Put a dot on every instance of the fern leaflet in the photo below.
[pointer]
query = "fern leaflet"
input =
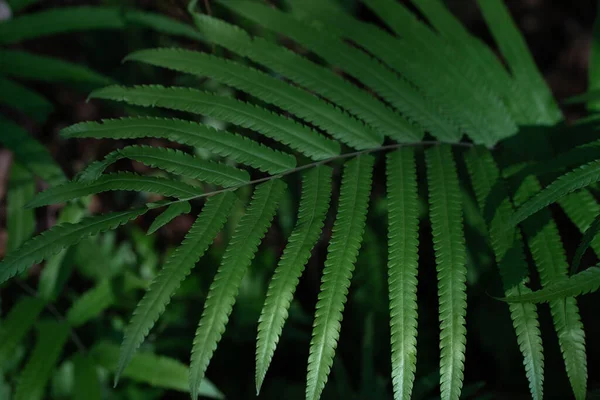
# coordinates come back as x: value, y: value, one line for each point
x: 20, y: 222
x: 91, y: 304
x: 586, y: 242
x: 17, y: 323
x: 172, y: 212
x: 16, y: 96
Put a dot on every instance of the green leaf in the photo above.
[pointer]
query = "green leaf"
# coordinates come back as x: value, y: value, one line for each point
x: 585, y: 243
x: 403, y: 242
x: 59, y: 237
x: 565, y: 184
x: 173, y: 161
x: 449, y: 244
x: 20, y: 222
x: 586, y: 281
x: 37, y: 372
x: 19, y: 97
x: 17, y: 323
x: 178, y: 266
x: 172, y: 212
x: 314, y: 203
x: 161, y: 23
x: 233, y: 146
x: 275, y: 126
x: 582, y: 208
x: 157, y: 371
x: 91, y: 304
x: 342, y: 252
x: 268, y: 89
x: 224, y: 288
x: 119, y: 181
x: 86, y: 385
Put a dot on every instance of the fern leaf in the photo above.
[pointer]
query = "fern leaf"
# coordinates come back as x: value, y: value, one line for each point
x: 173, y: 161
x: 118, y: 181
x: 448, y: 240
x: 316, y: 194
x: 161, y: 23
x: 30, y: 153
x: 403, y: 242
x: 223, y: 290
x: 313, y: 77
x: 20, y: 222
x: 586, y: 281
x: 510, y: 256
x: 28, y: 102
x: 589, y: 235
x: 86, y: 385
x: 178, y: 266
x: 261, y: 120
x: 20, y: 64
x: 172, y: 212
x: 91, y: 304
x: 17, y: 323
x: 582, y: 208
x: 157, y: 371
x: 33, y: 379
x: 59, y: 237
x: 233, y: 146
x: 268, y: 89
x: 395, y: 90
x: 567, y: 183
x: 342, y: 252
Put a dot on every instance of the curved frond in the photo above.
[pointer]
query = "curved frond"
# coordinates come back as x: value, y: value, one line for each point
x: 316, y: 194
x: 59, y: 237
x: 173, y: 161
x: 347, y: 235
x: 224, y: 288
x: 16, y: 324
x: 403, y: 242
x: 172, y: 212
x: 90, y: 304
x: 277, y: 127
x: 268, y: 89
x: 445, y: 211
x: 178, y: 266
x: 236, y: 147
x: 117, y: 181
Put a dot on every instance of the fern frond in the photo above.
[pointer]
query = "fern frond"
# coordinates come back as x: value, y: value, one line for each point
x: 586, y: 281
x: 161, y: 23
x: 445, y: 210
x: 342, y: 252
x: 20, y: 64
x: 588, y: 237
x: 90, y: 304
x: 403, y: 242
x: 20, y: 222
x: 237, y: 148
x: 565, y: 184
x: 178, y: 266
x: 86, y: 385
x: 582, y: 208
x: 309, y: 75
x: 510, y: 256
x: 268, y: 89
x: 395, y: 90
x: 173, y: 161
x: 59, y: 237
x: 314, y: 203
x: 16, y: 96
x: 280, y: 128
x: 224, y: 288
x: 35, y: 375
x: 172, y: 212
x: 16, y: 324
x: 157, y: 371
x: 118, y: 181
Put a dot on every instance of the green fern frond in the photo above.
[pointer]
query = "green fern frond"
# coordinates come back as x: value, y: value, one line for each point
x: 237, y: 148
x: 309, y: 75
x: 16, y: 324
x: 342, y: 252
x: 118, y: 181
x: 590, y: 234
x: 395, y: 90
x: 157, y: 371
x: 172, y: 212
x: 20, y: 222
x: 268, y: 89
x: 173, y: 161
x: 582, y: 208
x: 403, y: 239
x: 565, y: 184
x: 16, y: 96
x: 510, y: 256
x: 586, y: 281
x: 90, y: 304
x: 276, y: 126
x: 316, y: 194
x: 178, y: 266
x: 59, y: 237
x: 86, y: 385
x: 35, y: 375
x: 224, y: 288
x: 445, y: 210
